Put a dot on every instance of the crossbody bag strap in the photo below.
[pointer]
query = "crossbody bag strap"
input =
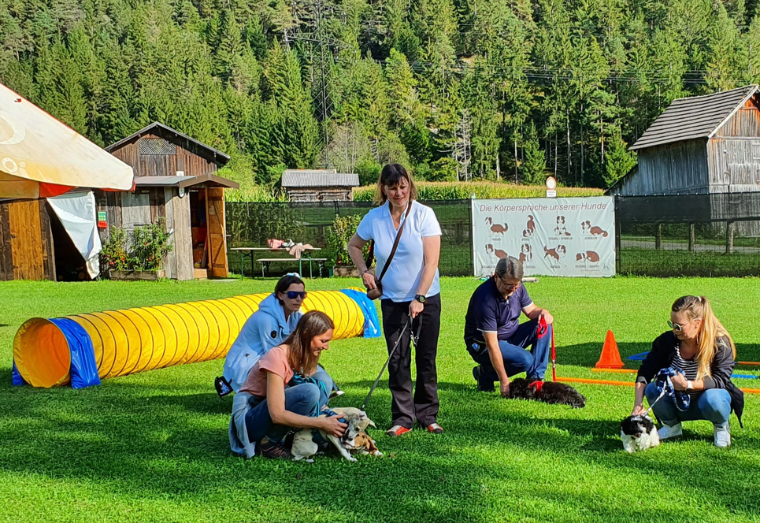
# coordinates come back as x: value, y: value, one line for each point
x: 395, y: 242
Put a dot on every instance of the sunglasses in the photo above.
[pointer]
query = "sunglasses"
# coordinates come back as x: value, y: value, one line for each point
x: 675, y: 326
x: 292, y: 295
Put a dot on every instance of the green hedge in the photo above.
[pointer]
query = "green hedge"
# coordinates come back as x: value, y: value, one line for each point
x: 464, y: 190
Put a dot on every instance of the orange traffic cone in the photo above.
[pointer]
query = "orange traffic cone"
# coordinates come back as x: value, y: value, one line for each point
x: 610, y: 358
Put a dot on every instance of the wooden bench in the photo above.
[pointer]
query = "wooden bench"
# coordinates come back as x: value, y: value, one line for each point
x: 265, y: 262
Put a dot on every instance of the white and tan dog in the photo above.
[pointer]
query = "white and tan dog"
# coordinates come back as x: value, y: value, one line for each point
x: 355, y: 437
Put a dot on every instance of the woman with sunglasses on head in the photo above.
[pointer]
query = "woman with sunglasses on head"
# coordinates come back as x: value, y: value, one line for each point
x: 284, y: 390
x: 268, y: 327
x: 700, y: 346
x: 407, y: 281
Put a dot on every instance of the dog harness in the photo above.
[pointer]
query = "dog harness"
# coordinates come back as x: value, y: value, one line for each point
x: 538, y: 384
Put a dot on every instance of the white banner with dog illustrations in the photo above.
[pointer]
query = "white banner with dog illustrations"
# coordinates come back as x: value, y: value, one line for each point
x: 551, y: 236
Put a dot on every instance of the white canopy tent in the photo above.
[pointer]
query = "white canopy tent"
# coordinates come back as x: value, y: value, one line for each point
x: 41, y: 157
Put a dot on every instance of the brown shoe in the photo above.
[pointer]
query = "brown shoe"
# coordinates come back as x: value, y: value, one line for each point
x: 273, y: 450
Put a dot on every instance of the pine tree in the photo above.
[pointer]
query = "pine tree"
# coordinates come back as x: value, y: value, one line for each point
x: 533, y: 170
x: 619, y: 160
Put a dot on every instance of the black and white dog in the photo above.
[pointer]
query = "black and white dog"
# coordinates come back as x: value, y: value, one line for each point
x: 638, y: 433
x: 548, y: 392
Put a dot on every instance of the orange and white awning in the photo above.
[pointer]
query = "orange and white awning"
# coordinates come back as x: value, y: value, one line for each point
x: 41, y: 157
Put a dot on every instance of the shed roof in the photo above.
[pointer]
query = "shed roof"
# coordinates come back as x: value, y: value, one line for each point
x: 694, y: 117
x: 297, y: 178
x: 167, y: 132
x: 208, y: 180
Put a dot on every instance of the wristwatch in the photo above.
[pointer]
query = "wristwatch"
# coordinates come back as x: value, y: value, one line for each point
x: 420, y: 298
x: 689, y: 385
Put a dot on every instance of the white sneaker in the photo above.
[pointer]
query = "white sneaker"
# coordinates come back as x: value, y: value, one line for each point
x: 722, y: 436
x: 667, y: 431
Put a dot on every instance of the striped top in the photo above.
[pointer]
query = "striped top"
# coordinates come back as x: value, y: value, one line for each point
x: 689, y: 367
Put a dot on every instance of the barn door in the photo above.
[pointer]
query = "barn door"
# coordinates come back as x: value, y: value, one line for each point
x: 217, y: 248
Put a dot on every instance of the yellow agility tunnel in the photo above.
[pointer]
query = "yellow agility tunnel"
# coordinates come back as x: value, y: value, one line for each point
x: 83, y: 349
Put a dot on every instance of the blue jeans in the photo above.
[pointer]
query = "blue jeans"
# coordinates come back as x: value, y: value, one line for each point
x: 516, y: 359
x: 301, y: 399
x: 711, y: 405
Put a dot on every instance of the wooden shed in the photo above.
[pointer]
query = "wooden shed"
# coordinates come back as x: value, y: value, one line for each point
x: 175, y: 179
x: 304, y: 185
x: 699, y: 145
x: 26, y: 241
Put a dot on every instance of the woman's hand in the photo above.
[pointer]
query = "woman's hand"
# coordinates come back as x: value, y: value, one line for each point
x: 369, y: 281
x: 415, y: 308
x: 333, y: 426
x: 679, y: 382
x: 638, y: 410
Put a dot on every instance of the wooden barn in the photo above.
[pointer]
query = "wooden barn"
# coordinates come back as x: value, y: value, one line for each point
x: 26, y: 241
x: 699, y: 145
x: 326, y: 185
x: 175, y: 179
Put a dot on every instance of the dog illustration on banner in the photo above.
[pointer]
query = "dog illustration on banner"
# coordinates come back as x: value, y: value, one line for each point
x: 496, y: 228
x: 530, y: 228
x: 495, y: 252
x: 589, y: 256
x: 561, y: 229
x: 588, y: 229
x: 526, y: 253
x: 557, y: 252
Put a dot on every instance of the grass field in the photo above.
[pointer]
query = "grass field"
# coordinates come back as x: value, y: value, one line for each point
x: 153, y: 446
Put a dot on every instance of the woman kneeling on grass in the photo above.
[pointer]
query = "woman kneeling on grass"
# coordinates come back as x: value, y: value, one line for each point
x: 700, y: 346
x: 285, y: 390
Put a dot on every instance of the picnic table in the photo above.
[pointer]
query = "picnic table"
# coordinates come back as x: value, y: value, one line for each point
x: 307, y: 254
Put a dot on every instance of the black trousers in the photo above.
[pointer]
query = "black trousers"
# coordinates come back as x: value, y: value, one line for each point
x: 424, y: 405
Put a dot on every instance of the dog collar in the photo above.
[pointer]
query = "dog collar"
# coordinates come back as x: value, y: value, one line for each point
x: 538, y: 384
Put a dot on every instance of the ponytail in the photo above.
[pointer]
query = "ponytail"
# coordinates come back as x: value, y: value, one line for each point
x: 711, y: 332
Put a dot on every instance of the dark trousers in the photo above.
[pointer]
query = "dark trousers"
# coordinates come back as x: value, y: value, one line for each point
x: 424, y: 406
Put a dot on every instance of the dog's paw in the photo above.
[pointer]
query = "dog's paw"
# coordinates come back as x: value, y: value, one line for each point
x: 351, y: 458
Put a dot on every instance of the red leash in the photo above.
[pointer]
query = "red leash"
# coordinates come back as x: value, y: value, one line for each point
x: 554, y: 359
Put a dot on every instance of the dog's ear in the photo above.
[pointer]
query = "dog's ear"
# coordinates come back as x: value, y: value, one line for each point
x: 363, y: 416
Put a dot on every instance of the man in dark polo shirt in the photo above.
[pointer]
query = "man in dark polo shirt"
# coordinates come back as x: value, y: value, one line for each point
x: 494, y: 336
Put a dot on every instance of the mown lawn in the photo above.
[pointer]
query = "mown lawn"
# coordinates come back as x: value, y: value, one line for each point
x: 153, y: 446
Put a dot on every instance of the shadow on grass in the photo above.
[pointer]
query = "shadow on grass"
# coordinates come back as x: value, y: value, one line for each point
x: 149, y: 442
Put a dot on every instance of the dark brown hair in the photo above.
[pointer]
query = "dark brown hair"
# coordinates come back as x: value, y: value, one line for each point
x: 391, y: 176
x: 311, y: 325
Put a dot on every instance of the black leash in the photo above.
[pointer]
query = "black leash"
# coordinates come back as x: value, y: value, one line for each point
x: 393, y: 350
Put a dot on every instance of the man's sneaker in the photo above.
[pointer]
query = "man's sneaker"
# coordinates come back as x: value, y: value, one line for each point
x: 397, y: 430
x: 274, y: 450
x: 476, y: 373
x: 722, y: 435
x: 435, y: 428
x: 667, y: 432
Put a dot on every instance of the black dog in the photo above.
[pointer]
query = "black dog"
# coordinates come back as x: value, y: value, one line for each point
x: 548, y: 392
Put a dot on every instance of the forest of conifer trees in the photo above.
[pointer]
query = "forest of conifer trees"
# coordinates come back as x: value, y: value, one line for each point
x: 456, y: 89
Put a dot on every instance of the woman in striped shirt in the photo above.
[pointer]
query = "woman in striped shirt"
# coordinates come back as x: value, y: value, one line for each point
x: 700, y: 346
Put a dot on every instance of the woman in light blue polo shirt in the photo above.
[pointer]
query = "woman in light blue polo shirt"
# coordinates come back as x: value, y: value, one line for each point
x: 410, y: 287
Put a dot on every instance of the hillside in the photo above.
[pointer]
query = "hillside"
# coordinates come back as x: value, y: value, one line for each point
x: 456, y: 89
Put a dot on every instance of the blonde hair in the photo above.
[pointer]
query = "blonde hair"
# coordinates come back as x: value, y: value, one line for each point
x: 698, y: 308
x: 300, y: 357
x: 391, y: 176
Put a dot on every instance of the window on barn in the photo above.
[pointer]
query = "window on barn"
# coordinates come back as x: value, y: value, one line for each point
x: 157, y: 147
